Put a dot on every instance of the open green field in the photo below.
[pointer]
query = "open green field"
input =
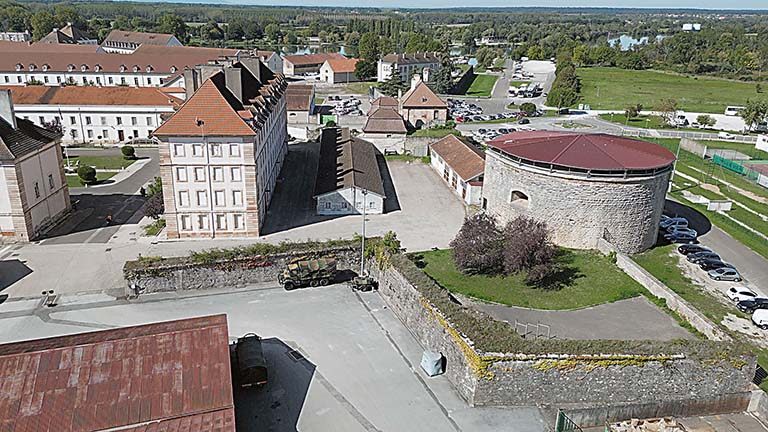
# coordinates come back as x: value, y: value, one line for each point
x: 482, y: 86
x: 619, y: 88
x: 592, y: 279
x: 101, y: 162
x: 650, y: 122
x: 360, y: 87
x: 73, y: 180
x: 435, y: 133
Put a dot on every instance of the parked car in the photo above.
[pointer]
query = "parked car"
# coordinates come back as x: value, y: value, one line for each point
x: 680, y: 237
x: 726, y: 136
x: 760, y: 318
x: 737, y: 294
x: 749, y: 306
x: 725, y: 273
x: 523, y: 121
x: 699, y: 256
x: 687, y: 249
x: 673, y: 221
x: 711, y: 264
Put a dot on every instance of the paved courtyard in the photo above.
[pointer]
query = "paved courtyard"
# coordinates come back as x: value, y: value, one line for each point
x: 360, y: 368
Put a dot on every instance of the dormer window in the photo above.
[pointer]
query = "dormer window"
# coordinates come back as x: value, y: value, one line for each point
x: 32, y: 67
x: 46, y: 67
x: 149, y: 68
x: 423, y: 99
x: 122, y: 68
x: 19, y: 67
x: 83, y: 68
x: 173, y: 69
x: 97, y: 68
x: 135, y: 68
x: 70, y: 67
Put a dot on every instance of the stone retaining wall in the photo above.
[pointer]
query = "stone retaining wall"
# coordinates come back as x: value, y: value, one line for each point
x: 175, y: 276
x: 658, y: 289
x: 641, y: 385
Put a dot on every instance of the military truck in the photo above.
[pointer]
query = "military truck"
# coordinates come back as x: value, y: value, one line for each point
x: 312, y: 272
x: 248, y: 357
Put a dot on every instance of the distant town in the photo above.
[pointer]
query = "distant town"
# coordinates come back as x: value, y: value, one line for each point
x: 250, y: 218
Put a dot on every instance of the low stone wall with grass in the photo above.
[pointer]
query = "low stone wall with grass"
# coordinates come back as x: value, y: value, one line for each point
x: 490, y: 364
x: 658, y: 289
x: 239, y: 267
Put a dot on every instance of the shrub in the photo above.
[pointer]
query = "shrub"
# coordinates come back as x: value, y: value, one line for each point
x: 155, y: 206
x: 527, y: 247
x: 478, y: 246
x: 155, y: 188
x: 528, y: 108
x: 128, y: 152
x: 87, y: 174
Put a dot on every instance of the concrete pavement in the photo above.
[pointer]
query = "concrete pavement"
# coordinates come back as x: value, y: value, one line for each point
x: 361, y: 371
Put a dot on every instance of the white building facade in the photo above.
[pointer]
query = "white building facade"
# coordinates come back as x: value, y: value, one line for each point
x: 33, y: 189
x: 406, y: 65
x: 461, y: 166
x: 219, y: 168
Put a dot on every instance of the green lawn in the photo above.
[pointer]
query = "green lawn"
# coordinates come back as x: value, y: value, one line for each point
x: 435, y: 133
x: 73, y: 180
x: 619, y: 88
x: 154, y: 228
x: 517, y: 84
x: 646, y: 121
x: 360, y: 87
x: 482, y: 86
x: 101, y: 162
x: 597, y: 280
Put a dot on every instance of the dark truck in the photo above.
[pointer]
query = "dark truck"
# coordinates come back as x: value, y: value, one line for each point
x: 249, y: 361
x: 312, y: 272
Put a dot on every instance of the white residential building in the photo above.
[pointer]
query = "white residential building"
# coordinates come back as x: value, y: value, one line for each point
x: 15, y: 36
x: 57, y: 64
x: 95, y: 115
x: 221, y: 152
x: 33, y: 188
x: 407, y: 65
x: 348, y: 176
x: 461, y: 165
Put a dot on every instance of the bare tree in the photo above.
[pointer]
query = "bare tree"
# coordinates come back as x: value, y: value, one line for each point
x: 527, y: 247
x: 667, y: 109
x: 478, y: 246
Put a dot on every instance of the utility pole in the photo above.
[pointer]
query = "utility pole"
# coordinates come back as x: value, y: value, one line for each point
x: 362, y: 250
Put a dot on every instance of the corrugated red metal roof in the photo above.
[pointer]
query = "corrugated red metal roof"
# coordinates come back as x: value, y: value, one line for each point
x: 761, y: 168
x: 585, y: 151
x: 155, y: 377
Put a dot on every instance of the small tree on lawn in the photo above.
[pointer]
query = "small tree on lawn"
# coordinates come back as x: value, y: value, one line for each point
x: 668, y: 110
x: 478, y: 246
x: 706, y: 120
x: 631, y: 112
x: 128, y: 152
x: 527, y: 247
x: 87, y: 174
x: 528, y: 107
x: 155, y: 206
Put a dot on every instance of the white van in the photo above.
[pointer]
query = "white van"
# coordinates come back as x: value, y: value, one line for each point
x: 733, y: 110
x: 760, y: 318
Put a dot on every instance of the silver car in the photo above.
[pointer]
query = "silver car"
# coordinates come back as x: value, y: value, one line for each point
x: 725, y: 273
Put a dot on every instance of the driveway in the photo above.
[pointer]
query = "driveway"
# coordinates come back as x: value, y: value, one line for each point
x: 87, y: 223
x: 631, y: 319
x: 357, y: 368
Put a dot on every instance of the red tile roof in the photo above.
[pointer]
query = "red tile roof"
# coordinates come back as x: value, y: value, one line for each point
x: 385, y: 120
x: 422, y: 96
x: 342, y: 65
x: 59, y: 57
x: 312, y: 59
x: 87, y: 95
x: 465, y: 159
x: 19, y: 47
x: 139, y: 38
x: 168, y: 376
x: 299, y: 97
x: 585, y: 151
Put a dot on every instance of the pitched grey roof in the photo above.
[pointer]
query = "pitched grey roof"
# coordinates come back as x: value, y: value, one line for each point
x: 412, y: 58
x: 26, y: 138
x: 346, y: 162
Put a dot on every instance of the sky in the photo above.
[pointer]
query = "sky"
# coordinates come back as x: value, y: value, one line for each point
x: 667, y: 4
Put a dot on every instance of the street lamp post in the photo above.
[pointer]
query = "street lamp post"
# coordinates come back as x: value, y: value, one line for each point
x: 362, y: 250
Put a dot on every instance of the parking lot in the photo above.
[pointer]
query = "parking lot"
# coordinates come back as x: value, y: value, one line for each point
x: 419, y: 206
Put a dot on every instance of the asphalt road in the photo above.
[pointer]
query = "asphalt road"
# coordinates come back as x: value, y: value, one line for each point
x: 87, y: 223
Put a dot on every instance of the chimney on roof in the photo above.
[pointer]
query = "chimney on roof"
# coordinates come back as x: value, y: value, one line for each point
x: 415, y: 80
x: 234, y: 80
x: 6, y: 107
x: 191, y: 81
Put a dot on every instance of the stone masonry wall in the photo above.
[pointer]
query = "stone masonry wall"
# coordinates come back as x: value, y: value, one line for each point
x: 235, y: 273
x: 618, y: 384
x: 420, y: 319
x: 578, y: 211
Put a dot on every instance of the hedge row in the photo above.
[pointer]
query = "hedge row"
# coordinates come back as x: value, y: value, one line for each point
x: 492, y: 336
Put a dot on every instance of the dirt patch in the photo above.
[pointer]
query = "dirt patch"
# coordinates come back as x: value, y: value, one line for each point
x: 745, y: 327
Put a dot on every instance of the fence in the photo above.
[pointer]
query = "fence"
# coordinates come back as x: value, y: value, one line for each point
x: 685, y: 134
x: 565, y: 424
